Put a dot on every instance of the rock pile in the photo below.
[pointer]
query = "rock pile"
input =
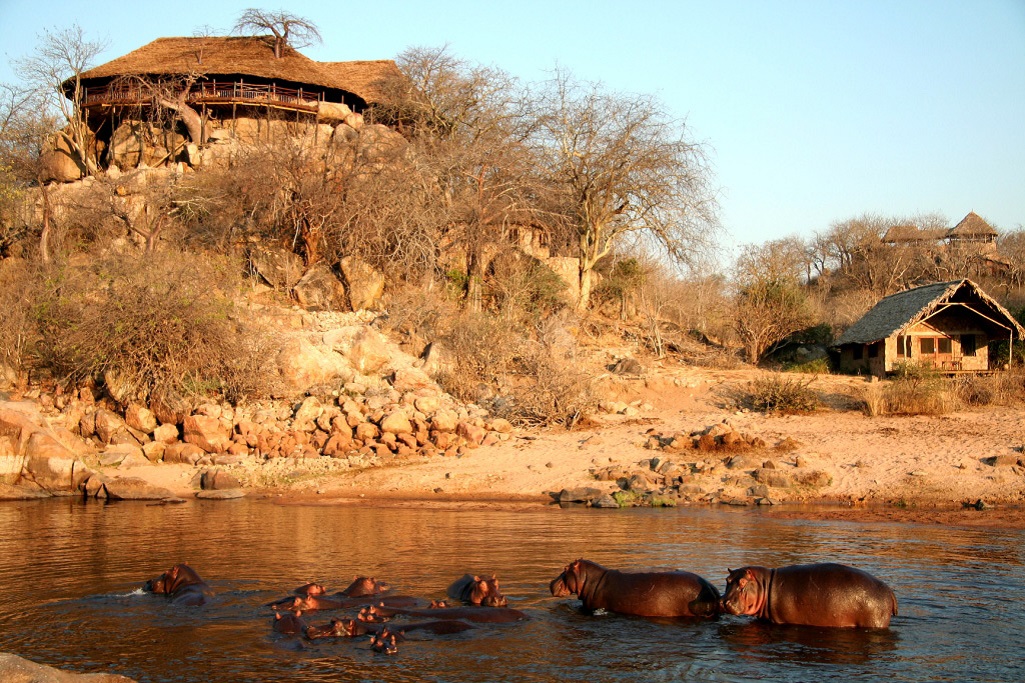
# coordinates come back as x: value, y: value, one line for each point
x: 743, y: 477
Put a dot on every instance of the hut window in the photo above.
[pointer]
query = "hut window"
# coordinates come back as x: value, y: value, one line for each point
x: 928, y: 345
x: 901, y: 342
x: 873, y: 350
x: 944, y: 345
x: 859, y: 351
x: 967, y: 344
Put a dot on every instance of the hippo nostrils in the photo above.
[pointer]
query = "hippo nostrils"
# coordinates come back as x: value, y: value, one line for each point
x: 478, y: 591
x: 182, y: 584
x: 645, y: 594
x: 832, y: 595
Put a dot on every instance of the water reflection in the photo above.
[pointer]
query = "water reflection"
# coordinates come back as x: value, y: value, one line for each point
x: 69, y: 575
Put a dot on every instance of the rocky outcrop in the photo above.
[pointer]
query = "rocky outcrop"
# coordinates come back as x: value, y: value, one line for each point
x: 15, y: 669
x: 31, y: 454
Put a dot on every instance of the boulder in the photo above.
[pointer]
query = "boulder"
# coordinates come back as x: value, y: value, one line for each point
x: 206, y: 432
x: 364, y: 284
x: 369, y: 351
x: 15, y: 669
x: 59, y: 163
x: 166, y: 433
x: 169, y: 406
x: 396, y: 422
x: 584, y: 494
x: 218, y: 480
x: 281, y: 269
x: 333, y: 112
x: 184, y: 453
x: 141, y: 418
x: 319, y: 289
x: 302, y: 365
x: 134, y: 488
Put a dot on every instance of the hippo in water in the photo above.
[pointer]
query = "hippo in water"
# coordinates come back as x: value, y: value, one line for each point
x: 484, y: 615
x: 363, y: 586
x: 350, y: 628
x: 478, y: 591
x: 644, y: 594
x: 181, y: 584
x: 289, y: 623
x: 832, y: 595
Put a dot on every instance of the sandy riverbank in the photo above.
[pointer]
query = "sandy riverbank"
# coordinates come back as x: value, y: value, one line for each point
x: 898, y: 468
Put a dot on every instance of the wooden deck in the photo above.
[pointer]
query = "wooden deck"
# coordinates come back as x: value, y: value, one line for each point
x: 213, y: 92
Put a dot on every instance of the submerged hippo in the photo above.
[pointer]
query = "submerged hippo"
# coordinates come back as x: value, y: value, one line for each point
x: 311, y: 589
x: 478, y: 591
x: 350, y: 628
x: 485, y: 615
x: 832, y: 595
x: 312, y: 603
x: 644, y: 594
x: 363, y: 586
x: 289, y: 623
x: 181, y: 584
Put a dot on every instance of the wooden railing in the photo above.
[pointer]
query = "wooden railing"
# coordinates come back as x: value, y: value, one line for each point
x: 211, y: 92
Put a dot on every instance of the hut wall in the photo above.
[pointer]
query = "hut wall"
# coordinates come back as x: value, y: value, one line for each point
x: 946, y: 345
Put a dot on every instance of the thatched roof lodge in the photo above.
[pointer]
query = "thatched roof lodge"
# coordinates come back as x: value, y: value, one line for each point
x: 946, y: 325
x: 972, y: 228
x: 235, y: 70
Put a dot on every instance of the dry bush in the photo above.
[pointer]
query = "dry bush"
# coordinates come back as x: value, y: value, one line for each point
x: 777, y: 393
x: 1003, y: 388
x: 482, y: 349
x: 19, y: 286
x: 530, y: 379
x: 915, y: 390
x: 162, y: 321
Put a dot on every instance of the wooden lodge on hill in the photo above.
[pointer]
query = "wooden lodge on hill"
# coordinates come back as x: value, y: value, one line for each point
x: 221, y: 79
x: 946, y: 325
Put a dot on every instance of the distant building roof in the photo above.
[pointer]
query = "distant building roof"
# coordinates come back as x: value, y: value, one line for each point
x: 972, y: 225
x: 897, y: 312
x: 247, y: 56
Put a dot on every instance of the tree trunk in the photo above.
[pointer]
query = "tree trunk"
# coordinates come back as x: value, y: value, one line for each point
x: 44, y: 236
x: 189, y: 116
x: 586, y: 284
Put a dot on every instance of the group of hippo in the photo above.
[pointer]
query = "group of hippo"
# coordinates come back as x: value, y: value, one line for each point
x: 824, y: 595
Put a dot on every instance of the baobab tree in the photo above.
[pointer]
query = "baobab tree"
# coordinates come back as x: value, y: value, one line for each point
x: 287, y: 29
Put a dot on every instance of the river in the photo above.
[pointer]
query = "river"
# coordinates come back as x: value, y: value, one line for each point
x: 70, y: 574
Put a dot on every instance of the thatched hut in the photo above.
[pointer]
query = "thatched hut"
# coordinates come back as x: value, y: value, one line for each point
x: 946, y: 325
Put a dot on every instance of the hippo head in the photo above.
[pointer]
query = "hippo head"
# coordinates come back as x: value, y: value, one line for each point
x: 362, y: 586
x: 311, y: 589
x: 568, y: 582
x: 371, y: 614
x: 487, y: 593
x: 744, y: 593
x: 385, y: 642
x: 156, y: 584
x: 438, y: 604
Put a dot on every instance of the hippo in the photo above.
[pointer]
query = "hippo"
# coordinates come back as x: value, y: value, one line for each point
x: 350, y: 628
x: 643, y: 594
x: 482, y: 614
x: 828, y: 594
x: 289, y: 623
x: 181, y: 584
x: 311, y: 589
x: 384, y: 642
x: 363, y: 586
x: 477, y: 591
x: 311, y: 603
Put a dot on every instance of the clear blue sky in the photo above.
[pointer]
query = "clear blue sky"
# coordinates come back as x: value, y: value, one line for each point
x: 817, y: 111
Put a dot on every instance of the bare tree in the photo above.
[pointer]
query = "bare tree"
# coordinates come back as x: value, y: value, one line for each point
x: 769, y: 304
x: 620, y: 164
x: 287, y: 29
x: 54, y: 71
x: 467, y: 129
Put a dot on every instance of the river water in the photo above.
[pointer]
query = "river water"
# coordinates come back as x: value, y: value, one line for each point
x: 70, y: 574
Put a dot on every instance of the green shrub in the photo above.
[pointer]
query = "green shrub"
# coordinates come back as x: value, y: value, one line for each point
x: 777, y: 393
x: 819, y: 366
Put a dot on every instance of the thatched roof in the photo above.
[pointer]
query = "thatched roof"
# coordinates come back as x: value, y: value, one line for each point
x: 912, y: 233
x: 972, y: 225
x: 246, y: 56
x: 898, y: 312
